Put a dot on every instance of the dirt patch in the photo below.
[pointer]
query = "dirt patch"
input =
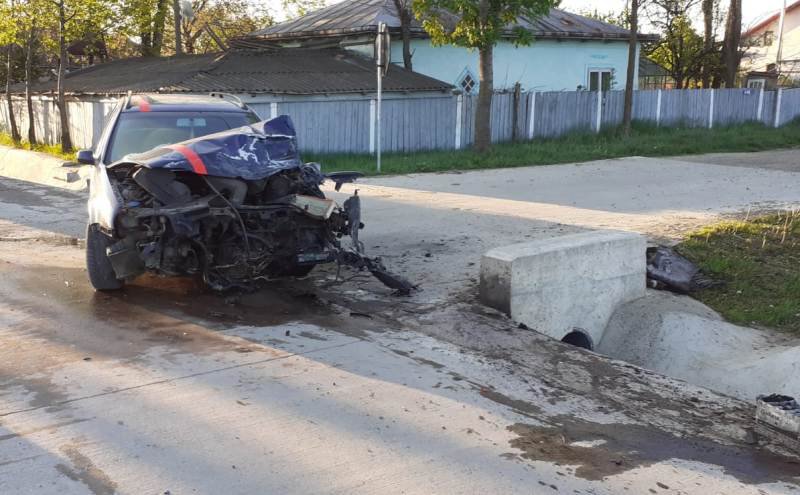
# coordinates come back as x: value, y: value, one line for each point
x: 601, y: 450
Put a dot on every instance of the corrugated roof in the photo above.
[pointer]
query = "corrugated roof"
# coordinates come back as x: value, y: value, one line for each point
x: 292, y: 71
x: 357, y: 16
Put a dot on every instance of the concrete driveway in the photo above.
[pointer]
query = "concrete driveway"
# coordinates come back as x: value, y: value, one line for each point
x: 313, y: 387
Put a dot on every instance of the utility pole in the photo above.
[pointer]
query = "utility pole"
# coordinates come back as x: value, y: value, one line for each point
x: 176, y: 13
x: 779, y: 56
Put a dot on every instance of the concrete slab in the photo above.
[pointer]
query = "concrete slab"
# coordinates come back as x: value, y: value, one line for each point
x: 681, y: 337
x: 561, y: 284
x: 41, y: 168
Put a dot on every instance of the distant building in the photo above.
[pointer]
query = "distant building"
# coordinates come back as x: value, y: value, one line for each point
x: 569, y: 51
x: 760, y: 61
x: 653, y: 75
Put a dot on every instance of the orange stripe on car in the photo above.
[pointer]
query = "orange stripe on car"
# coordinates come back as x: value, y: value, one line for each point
x: 143, y: 104
x: 194, y: 159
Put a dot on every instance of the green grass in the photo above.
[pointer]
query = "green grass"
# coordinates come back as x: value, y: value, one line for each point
x: 759, y: 261
x: 50, y: 149
x: 645, y: 140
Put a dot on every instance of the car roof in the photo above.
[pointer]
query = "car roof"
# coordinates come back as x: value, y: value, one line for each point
x: 185, y: 103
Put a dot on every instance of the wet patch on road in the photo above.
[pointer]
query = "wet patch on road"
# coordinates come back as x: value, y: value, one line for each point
x: 601, y: 450
x: 84, y: 471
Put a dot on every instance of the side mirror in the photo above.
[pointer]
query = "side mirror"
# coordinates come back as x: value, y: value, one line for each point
x: 85, y: 157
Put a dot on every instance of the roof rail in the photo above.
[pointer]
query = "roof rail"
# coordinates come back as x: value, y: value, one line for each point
x: 229, y: 97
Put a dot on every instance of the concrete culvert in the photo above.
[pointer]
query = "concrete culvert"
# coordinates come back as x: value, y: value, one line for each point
x: 578, y: 338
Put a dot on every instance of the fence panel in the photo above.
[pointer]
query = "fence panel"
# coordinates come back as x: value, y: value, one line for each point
x: 337, y: 126
x: 687, y: 108
x: 418, y: 124
x: 426, y: 123
x: 736, y: 106
x: 613, y: 108
x: 646, y: 106
x: 790, y: 106
x: 558, y: 113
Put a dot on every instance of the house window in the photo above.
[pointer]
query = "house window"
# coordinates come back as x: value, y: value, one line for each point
x: 600, y: 78
x: 467, y: 82
x: 769, y: 38
x: 755, y: 83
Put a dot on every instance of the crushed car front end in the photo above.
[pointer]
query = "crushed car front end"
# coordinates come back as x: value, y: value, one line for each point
x: 233, y: 207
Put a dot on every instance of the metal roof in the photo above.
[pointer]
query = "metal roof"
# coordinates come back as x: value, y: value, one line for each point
x: 289, y: 71
x: 359, y: 16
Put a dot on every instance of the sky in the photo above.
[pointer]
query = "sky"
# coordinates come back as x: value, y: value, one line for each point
x: 752, y: 10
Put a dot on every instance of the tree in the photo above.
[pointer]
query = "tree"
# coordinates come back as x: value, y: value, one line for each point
x: 8, y: 37
x: 479, y: 25
x: 708, y: 39
x: 146, y: 20
x: 405, y: 15
x: 227, y: 18
x: 70, y: 20
x: 633, y: 21
x: 680, y: 50
x: 731, y: 56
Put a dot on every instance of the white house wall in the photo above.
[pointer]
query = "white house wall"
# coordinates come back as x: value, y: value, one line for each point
x: 545, y: 65
x: 757, y: 58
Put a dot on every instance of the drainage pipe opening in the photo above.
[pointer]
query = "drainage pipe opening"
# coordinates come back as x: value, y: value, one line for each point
x: 578, y: 338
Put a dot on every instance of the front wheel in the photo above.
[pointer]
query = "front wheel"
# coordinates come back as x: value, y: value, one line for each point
x: 101, y: 273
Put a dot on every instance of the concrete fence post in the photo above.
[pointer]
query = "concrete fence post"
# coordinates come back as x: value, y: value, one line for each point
x: 778, y: 99
x: 760, y: 110
x: 372, y: 126
x: 711, y: 109
x: 459, y: 120
x: 532, y: 115
x: 599, y: 117
x: 658, y: 108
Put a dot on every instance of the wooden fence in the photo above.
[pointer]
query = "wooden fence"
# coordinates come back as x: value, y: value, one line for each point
x: 415, y: 123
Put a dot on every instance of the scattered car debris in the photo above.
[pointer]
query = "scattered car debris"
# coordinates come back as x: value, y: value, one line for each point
x: 668, y: 270
x: 235, y: 207
x: 778, y: 419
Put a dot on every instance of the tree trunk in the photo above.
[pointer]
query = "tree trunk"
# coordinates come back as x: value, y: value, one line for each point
x: 405, y: 30
x: 708, y: 41
x: 159, y: 21
x: 627, y: 115
x: 12, y: 120
x: 176, y: 12
x: 730, y: 46
x: 28, y: 80
x: 66, y: 140
x: 483, y: 111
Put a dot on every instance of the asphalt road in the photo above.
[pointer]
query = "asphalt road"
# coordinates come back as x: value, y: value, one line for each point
x: 313, y: 387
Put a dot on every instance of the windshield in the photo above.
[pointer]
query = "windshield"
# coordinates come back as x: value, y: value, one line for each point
x: 136, y: 132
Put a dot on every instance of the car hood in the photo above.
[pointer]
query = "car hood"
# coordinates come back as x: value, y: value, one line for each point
x: 252, y: 152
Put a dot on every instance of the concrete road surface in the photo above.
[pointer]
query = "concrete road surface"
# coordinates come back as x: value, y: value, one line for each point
x: 316, y: 387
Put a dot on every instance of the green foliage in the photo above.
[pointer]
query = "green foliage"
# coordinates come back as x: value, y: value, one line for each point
x: 55, y: 150
x: 680, y: 51
x: 477, y: 23
x: 758, y: 259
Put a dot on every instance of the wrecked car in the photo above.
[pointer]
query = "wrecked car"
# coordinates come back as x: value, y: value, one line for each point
x: 233, y: 207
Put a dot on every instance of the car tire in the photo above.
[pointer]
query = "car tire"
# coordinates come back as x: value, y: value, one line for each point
x: 101, y: 273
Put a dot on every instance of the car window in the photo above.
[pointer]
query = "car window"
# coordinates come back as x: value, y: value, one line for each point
x: 137, y: 132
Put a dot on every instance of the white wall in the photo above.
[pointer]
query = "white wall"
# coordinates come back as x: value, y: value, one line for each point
x: 546, y: 65
x: 757, y: 58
